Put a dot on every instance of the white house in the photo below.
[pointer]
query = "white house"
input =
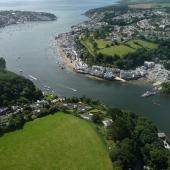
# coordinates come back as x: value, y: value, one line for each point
x: 149, y: 64
x: 87, y: 116
x: 107, y: 123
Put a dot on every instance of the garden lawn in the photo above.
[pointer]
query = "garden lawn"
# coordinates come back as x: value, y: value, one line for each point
x: 57, y: 141
x: 120, y: 50
x: 146, y: 44
x: 102, y: 43
x: 88, y: 46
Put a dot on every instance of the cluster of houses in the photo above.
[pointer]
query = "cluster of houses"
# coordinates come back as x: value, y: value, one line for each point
x: 134, y: 23
x: 163, y: 137
x: 133, y: 15
x: 150, y: 28
x: 91, y: 24
x: 83, y: 110
x: 67, y: 44
x: 15, y: 17
x: 150, y: 23
x: 36, y: 108
x: 80, y: 109
x: 151, y: 71
x: 6, y: 112
x: 158, y: 74
x: 122, y: 33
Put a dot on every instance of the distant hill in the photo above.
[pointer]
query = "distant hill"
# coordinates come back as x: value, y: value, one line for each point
x: 15, y: 17
x: 16, y: 89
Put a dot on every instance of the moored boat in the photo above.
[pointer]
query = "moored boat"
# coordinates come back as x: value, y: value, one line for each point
x: 148, y: 93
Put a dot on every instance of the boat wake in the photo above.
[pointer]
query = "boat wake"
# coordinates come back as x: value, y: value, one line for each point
x: 72, y: 89
x: 48, y: 88
x: 32, y: 77
x: 69, y: 88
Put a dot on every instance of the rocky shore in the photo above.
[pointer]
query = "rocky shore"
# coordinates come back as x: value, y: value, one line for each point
x: 16, y: 17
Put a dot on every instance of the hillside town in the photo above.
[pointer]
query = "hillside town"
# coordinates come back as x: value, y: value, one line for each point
x: 152, y: 71
x: 18, y: 17
x: 149, y: 23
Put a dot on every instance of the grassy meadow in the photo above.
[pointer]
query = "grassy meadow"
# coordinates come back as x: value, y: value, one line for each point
x: 57, y: 141
x: 121, y: 49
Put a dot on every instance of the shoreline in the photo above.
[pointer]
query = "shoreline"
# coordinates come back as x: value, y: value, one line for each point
x: 95, y: 77
x: 141, y: 75
x: 66, y: 60
x: 70, y: 65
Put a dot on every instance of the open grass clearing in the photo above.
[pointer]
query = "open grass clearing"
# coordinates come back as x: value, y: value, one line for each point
x: 122, y: 49
x: 57, y: 141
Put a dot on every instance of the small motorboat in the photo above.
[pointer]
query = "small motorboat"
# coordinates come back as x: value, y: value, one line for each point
x: 148, y: 93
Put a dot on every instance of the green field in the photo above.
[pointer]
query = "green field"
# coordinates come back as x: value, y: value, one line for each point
x: 121, y: 49
x: 88, y: 46
x: 144, y: 44
x: 54, y: 142
x: 102, y: 43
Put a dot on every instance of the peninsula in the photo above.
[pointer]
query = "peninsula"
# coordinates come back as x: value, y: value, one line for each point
x: 17, y: 17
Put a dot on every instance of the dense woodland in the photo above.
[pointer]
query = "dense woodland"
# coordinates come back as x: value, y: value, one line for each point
x: 16, y: 89
x: 137, y: 143
x: 2, y: 63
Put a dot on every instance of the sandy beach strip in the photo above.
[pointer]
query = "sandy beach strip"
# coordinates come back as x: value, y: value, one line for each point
x: 67, y: 61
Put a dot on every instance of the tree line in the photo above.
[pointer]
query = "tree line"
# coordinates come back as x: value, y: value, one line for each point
x: 2, y: 63
x: 16, y: 89
x: 137, y: 143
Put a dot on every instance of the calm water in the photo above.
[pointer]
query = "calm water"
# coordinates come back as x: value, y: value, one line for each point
x: 34, y: 44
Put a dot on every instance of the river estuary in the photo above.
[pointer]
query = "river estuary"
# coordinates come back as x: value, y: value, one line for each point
x: 30, y: 47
